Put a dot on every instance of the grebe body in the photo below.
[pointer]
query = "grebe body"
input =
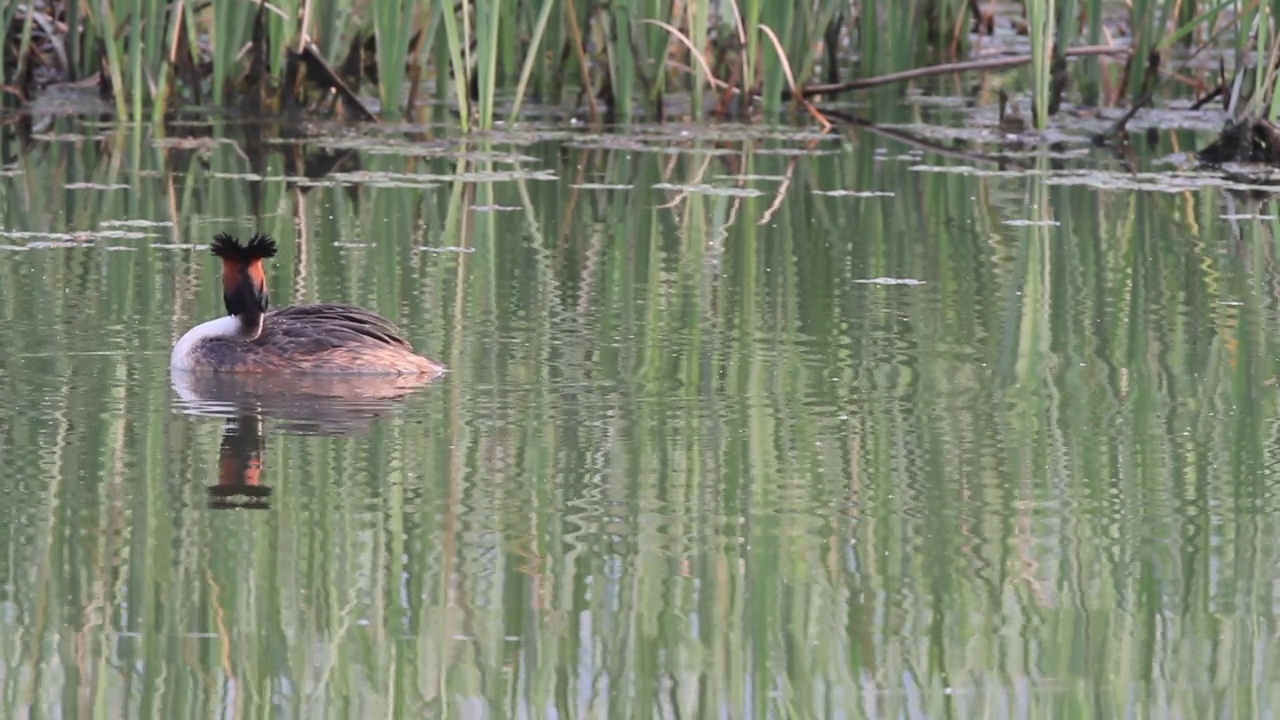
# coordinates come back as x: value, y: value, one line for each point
x: 320, y: 338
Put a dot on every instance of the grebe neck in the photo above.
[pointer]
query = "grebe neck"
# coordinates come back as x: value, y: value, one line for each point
x: 227, y: 326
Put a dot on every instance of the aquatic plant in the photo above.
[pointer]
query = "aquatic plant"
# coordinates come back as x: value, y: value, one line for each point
x: 609, y: 62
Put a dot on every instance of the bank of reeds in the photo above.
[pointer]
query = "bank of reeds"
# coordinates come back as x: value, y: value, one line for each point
x: 721, y: 59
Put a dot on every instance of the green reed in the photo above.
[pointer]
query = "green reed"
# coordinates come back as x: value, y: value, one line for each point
x: 490, y: 61
x: 393, y: 28
x: 8, y: 16
x: 457, y: 36
x: 1041, y: 17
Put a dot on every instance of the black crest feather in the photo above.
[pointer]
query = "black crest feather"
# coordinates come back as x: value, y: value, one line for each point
x: 259, y: 246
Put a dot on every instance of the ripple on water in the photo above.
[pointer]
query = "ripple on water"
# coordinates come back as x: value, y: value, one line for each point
x: 877, y: 448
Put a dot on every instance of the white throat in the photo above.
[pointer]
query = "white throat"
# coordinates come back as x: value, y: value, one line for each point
x: 184, y: 352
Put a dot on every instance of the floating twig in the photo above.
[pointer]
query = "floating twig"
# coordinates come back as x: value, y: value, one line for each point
x: 1000, y: 63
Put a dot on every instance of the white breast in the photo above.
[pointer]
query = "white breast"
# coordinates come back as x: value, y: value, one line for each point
x: 184, y: 352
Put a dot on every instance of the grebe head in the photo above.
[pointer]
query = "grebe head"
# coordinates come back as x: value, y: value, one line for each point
x: 244, y: 284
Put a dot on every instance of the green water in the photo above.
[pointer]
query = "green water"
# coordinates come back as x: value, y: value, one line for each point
x: 685, y: 465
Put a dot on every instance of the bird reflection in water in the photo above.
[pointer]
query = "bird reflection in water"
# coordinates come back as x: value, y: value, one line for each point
x: 332, y: 405
x: 240, y: 467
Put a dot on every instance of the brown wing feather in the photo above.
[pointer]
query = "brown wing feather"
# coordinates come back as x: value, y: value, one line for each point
x: 322, y: 338
x: 326, y: 326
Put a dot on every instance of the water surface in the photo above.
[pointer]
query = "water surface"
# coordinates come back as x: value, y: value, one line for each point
x: 754, y: 424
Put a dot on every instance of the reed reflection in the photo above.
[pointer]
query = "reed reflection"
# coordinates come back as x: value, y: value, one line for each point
x: 330, y: 405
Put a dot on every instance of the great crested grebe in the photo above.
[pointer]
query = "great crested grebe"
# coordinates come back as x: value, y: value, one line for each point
x: 321, y: 338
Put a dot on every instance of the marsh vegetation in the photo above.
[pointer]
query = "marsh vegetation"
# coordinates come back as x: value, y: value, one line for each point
x: 489, y: 62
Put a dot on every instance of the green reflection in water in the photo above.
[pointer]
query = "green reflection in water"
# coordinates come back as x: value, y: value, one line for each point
x: 686, y: 463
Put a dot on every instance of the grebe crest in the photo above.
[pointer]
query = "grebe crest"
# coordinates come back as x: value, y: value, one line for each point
x: 325, y: 338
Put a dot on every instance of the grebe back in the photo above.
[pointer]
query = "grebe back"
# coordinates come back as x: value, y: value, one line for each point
x: 320, y: 338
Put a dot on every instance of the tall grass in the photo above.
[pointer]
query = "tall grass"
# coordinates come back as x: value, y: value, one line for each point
x: 618, y: 61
